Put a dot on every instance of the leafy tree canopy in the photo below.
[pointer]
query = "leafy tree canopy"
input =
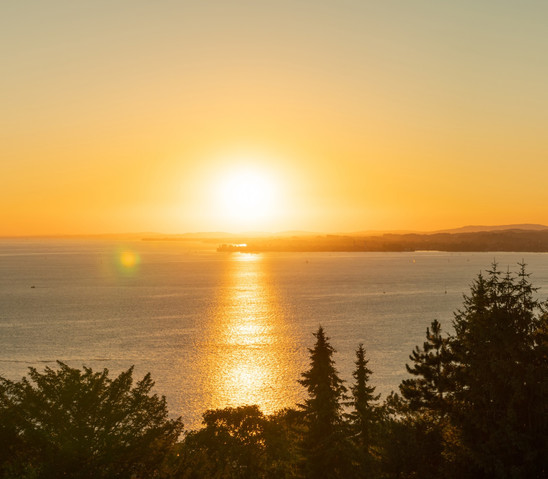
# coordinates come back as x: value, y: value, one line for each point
x: 68, y: 422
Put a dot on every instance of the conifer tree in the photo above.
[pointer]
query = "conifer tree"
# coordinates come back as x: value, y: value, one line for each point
x: 364, y: 415
x: 325, y: 447
x: 423, y: 405
x: 431, y: 368
x: 499, y: 399
x: 481, y: 394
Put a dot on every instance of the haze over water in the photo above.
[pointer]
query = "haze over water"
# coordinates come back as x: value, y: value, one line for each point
x: 219, y: 329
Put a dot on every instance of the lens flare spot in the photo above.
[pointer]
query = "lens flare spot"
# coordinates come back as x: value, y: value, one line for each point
x: 128, y: 259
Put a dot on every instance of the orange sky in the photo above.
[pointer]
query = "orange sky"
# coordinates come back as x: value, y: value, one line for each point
x: 126, y: 116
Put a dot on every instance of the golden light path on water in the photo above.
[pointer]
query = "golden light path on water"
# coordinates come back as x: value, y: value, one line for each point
x: 251, y: 352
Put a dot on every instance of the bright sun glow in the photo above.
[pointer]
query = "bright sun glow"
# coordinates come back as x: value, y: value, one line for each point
x: 247, y: 197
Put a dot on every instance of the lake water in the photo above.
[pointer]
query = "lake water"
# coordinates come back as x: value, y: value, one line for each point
x: 223, y: 329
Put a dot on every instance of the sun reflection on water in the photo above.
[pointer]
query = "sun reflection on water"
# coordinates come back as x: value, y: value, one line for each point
x: 250, y: 348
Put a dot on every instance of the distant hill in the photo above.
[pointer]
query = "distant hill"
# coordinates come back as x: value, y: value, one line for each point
x: 479, y: 229
x: 462, y: 229
x: 513, y: 239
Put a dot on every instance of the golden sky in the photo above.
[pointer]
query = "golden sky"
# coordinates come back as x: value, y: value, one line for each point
x: 126, y: 116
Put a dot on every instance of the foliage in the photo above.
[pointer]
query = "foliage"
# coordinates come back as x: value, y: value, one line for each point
x: 482, y: 391
x: 423, y: 406
x: 363, y: 418
x: 431, y: 368
x: 238, y: 442
x: 326, y: 449
x: 500, y: 385
x: 80, y: 423
x: 410, y: 444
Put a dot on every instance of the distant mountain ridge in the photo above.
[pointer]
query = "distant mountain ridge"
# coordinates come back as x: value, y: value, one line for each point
x: 481, y: 229
x: 462, y: 229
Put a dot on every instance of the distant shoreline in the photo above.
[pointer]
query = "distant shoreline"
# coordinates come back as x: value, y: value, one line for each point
x: 512, y: 241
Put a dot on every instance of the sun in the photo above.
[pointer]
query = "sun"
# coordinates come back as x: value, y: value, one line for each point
x: 247, y: 196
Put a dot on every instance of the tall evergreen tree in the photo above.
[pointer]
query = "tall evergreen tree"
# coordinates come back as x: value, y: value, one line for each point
x: 481, y: 395
x: 499, y: 400
x: 363, y: 417
x: 325, y: 447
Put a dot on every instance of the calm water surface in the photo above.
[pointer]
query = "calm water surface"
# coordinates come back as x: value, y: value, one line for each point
x: 218, y: 329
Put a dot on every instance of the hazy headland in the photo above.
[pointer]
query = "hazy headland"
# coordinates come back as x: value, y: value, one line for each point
x: 514, y: 238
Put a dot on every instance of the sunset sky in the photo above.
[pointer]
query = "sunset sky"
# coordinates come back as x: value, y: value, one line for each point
x: 128, y: 116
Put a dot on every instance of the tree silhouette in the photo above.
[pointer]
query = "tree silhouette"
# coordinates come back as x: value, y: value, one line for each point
x: 325, y: 447
x: 431, y: 368
x: 237, y: 442
x: 500, y: 381
x: 364, y: 416
x: 423, y: 405
x: 479, y: 396
x: 75, y: 423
